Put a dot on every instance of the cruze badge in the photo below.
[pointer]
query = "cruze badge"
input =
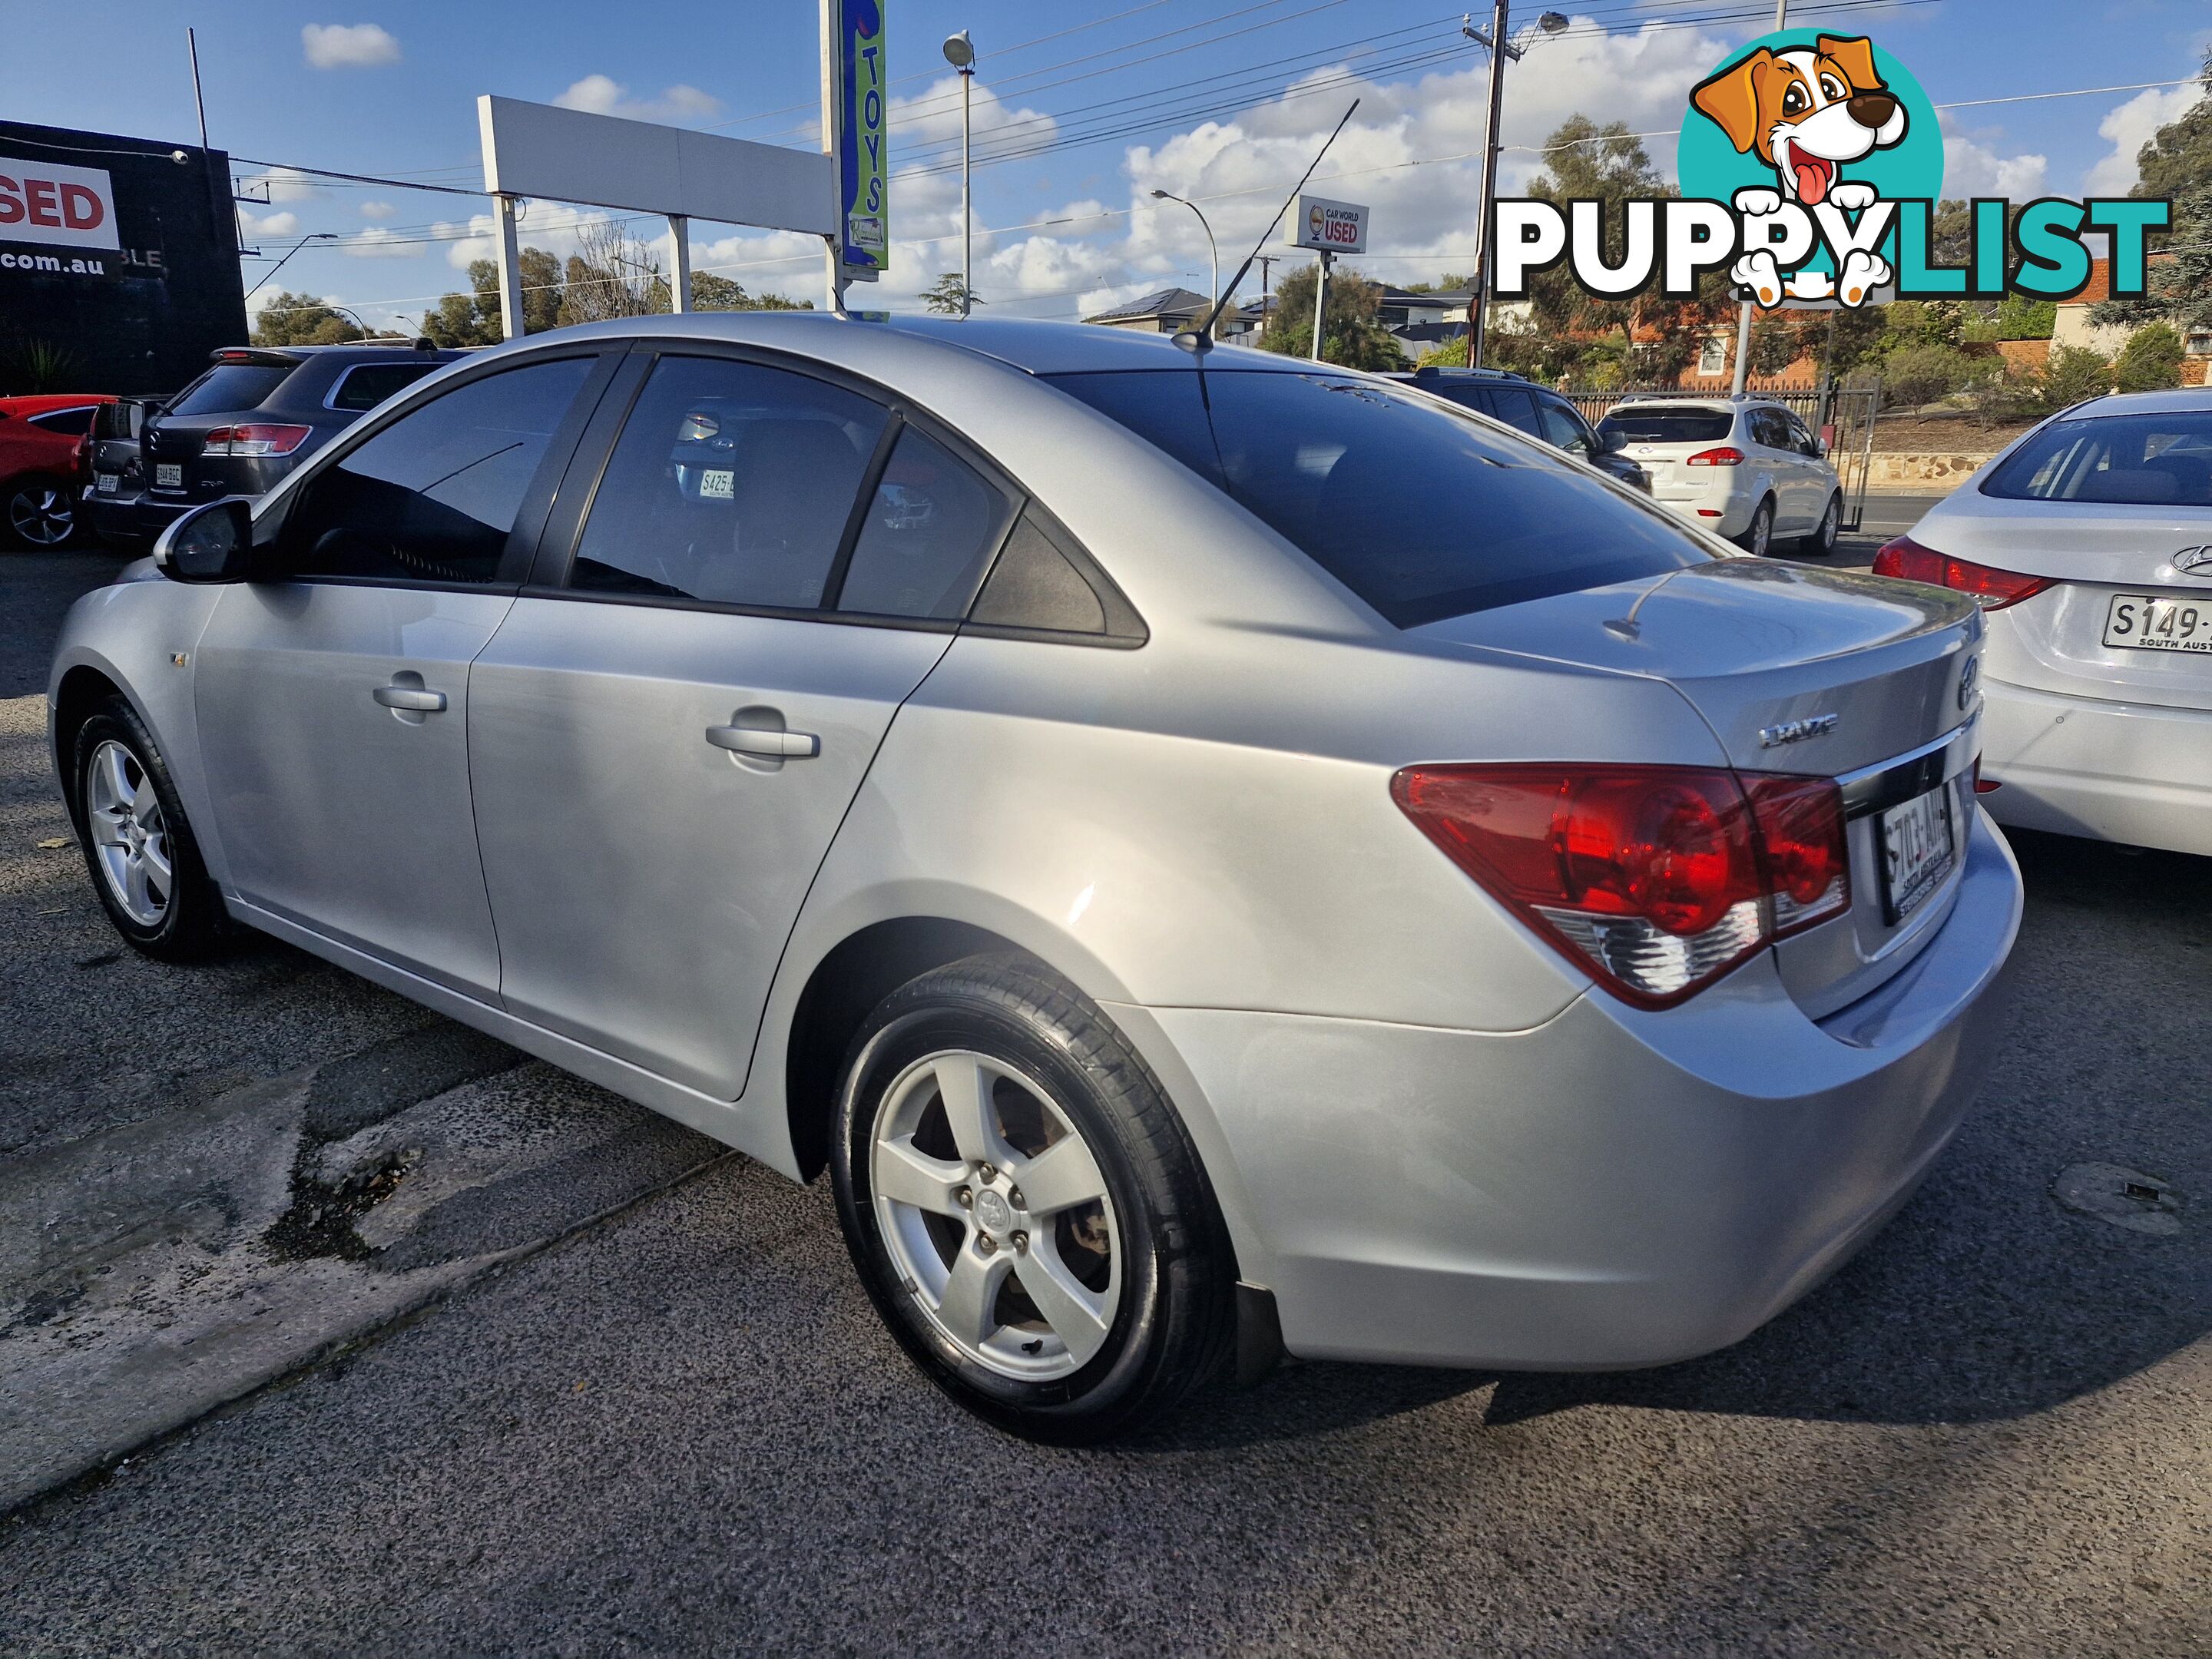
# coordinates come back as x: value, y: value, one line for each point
x: 1813, y: 726
x: 2194, y: 561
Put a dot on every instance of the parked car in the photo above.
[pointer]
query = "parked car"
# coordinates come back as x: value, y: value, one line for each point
x: 2087, y: 542
x: 1537, y: 410
x: 256, y: 413
x: 1192, y: 896
x: 1749, y: 470
x: 41, y: 463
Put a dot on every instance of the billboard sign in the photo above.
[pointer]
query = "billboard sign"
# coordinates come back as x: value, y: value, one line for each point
x: 1330, y: 227
x: 864, y: 232
x: 61, y: 206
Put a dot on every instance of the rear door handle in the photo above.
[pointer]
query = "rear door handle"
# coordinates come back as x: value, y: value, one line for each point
x: 411, y: 697
x: 769, y: 745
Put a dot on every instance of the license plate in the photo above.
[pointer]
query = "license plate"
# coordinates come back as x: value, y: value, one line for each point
x: 168, y: 475
x: 1915, y: 848
x: 2139, y: 622
x: 106, y: 482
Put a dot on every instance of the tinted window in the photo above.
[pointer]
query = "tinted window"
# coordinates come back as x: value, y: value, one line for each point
x: 1562, y: 427
x: 2150, y: 460
x: 731, y: 483
x: 930, y: 530
x: 367, y: 385
x: 1638, y: 423
x: 1515, y: 408
x: 1802, y: 435
x: 432, y: 496
x: 1418, y: 509
x: 71, y: 423
x: 1768, y: 430
x: 229, y: 388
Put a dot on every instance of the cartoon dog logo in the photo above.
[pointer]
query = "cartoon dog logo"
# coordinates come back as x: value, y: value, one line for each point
x: 1805, y: 114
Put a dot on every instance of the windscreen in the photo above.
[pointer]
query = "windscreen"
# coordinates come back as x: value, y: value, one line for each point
x: 229, y: 387
x: 2141, y: 460
x: 1420, y: 510
x: 1660, y: 425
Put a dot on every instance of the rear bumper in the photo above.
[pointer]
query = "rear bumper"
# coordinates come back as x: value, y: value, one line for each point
x: 1613, y: 1189
x: 127, y: 520
x: 1735, y: 510
x: 2130, y: 771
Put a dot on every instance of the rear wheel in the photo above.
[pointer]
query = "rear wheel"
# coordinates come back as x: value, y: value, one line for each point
x: 145, y: 865
x: 1757, y: 538
x: 40, y: 512
x: 1024, y: 1207
x: 1822, y: 541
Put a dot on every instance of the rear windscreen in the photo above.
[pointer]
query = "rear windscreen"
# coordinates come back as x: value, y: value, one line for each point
x: 229, y: 387
x: 367, y: 384
x: 1669, y: 426
x: 1421, y: 511
x: 2137, y: 460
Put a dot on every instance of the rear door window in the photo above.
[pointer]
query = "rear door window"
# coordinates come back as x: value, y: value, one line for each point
x: 733, y: 482
x: 1420, y: 511
x: 927, y: 537
x: 1515, y: 408
x: 229, y: 387
x: 1657, y: 424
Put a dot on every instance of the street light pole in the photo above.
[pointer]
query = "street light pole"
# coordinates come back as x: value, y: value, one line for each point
x: 960, y: 52
x: 1213, y: 251
x: 1743, y: 312
x: 1501, y: 48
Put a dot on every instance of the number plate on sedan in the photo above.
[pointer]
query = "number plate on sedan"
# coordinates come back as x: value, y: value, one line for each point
x: 1916, y: 848
x: 169, y: 475
x: 2138, y: 622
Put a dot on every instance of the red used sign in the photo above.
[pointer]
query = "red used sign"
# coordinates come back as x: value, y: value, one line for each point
x: 47, y: 202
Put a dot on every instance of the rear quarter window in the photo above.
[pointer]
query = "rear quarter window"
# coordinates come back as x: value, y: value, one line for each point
x: 367, y: 385
x: 1419, y: 510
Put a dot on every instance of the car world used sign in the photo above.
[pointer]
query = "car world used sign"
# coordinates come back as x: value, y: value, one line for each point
x: 1331, y: 227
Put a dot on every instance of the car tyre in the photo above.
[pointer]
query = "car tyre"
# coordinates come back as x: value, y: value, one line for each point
x: 1080, y: 1309
x: 139, y: 848
x: 41, y: 513
x: 1758, y: 537
x: 1822, y: 541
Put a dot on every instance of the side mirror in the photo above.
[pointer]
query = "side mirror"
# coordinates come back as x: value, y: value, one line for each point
x: 1612, y: 442
x: 211, y: 544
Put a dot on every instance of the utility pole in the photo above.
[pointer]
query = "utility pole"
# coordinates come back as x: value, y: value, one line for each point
x: 1321, y: 300
x: 1743, y: 313
x: 1501, y: 48
x: 192, y: 51
x: 833, y: 146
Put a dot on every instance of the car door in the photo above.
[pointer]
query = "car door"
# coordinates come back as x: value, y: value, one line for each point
x: 1777, y: 456
x: 1820, y: 476
x: 670, y: 725
x: 333, y: 697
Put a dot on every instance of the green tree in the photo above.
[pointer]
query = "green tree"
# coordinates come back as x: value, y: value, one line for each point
x: 712, y: 293
x: 2020, y: 318
x: 2177, y: 164
x: 948, y: 296
x: 303, y: 320
x: 473, y: 318
x: 1352, y: 335
x: 2151, y: 360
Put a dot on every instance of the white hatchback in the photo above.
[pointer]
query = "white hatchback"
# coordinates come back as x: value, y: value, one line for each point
x: 1745, y: 469
x: 2089, y: 543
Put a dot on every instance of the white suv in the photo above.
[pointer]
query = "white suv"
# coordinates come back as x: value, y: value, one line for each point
x: 1749, y: 470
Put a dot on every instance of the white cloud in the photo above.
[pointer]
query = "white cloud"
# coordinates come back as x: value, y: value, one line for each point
x: 1973, y: 166
x: 602, y: 94
x: 378, y: 243
x: 279, y: 185
x: 274, y: 224
x: 2131, y: 125
x: 377, y: 210
x: 347, y: 46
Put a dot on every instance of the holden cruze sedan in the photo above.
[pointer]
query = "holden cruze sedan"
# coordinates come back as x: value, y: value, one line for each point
x: 1214, y: 854
x: 2088, y: 544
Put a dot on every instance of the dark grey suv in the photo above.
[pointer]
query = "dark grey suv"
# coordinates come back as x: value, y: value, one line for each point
x: 1534, y: 409
x: 256, y: 413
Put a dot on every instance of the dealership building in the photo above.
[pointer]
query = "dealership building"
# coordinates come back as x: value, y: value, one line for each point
x: 118, y: 261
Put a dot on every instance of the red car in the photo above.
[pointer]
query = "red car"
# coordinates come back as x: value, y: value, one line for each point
x: 42, y: 463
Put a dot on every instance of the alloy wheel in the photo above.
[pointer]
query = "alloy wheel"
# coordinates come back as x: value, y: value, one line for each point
x: 996, y: 1216
x: 41, y: 515
x: 130, y: 837
x: 1762, y: 532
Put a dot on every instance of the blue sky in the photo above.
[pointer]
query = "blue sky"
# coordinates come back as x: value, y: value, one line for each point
x: 1221, y: 99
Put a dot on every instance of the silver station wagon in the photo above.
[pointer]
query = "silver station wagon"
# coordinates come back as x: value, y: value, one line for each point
x: 1214, y: 855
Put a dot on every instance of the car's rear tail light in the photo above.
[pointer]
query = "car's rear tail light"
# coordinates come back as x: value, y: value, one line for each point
x: 1656, y: 879
x: 255, y: 440
x: 1989, y: 588
x: 1726, y: 455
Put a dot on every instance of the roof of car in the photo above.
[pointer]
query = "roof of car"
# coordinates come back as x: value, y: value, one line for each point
x: 2185, y: 399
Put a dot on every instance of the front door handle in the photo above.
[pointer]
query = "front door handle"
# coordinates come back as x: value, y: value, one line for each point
x: 767, y: 745
x: 411, y: 697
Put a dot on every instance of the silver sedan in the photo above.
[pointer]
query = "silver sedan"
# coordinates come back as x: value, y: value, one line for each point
x: 1215, y: 855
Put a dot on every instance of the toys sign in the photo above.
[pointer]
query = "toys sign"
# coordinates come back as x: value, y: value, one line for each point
x: 1330, y: 227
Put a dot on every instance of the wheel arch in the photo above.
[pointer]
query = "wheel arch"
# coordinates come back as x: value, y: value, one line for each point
x: 83, y: 689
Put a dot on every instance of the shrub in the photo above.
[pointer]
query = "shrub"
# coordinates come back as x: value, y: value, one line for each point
x: 2075, y: 373
x: 2151, y: 360
x: 1916, y: 374
x: 2020, y: 318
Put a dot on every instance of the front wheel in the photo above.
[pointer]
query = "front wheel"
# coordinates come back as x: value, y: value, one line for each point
x: 145, y: 865
x: 1024, y: 1207
x: 1822, y: 541
x: 1759, y: 535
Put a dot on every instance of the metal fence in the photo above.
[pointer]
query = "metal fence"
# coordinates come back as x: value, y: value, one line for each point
x: 1843, y: 418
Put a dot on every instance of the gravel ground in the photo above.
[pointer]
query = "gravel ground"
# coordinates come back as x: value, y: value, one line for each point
x: 682, y: 1430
